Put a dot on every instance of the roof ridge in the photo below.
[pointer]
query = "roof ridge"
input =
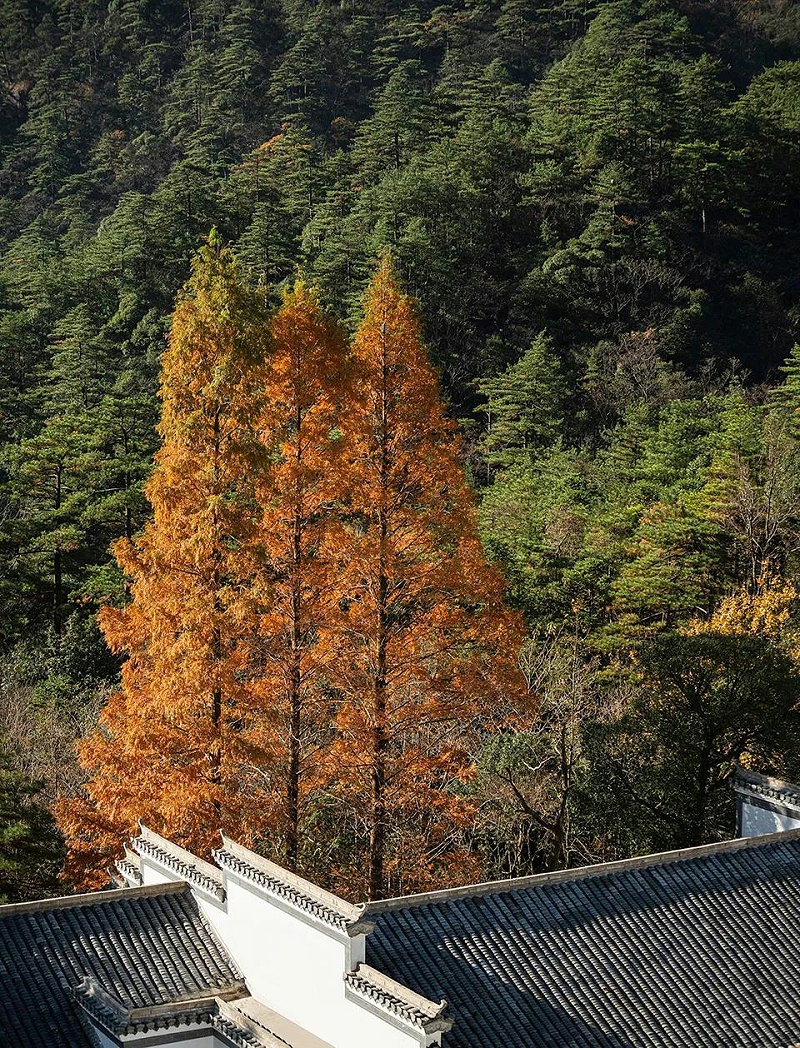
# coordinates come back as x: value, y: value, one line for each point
x: 62, y: 902
x: 397, y: 998
x: 190, y: 867
x: 323, y: 903
x: 537, y: 880
x: 107, y: 1009
x: 411, y: 997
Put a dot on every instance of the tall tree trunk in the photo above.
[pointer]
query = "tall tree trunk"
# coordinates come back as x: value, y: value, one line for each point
x: 380, y: 731
x: 215, y: 753
x: 295, y: 681
x: 58, y: 584
x: 697, y: 830
x: 380, y: 747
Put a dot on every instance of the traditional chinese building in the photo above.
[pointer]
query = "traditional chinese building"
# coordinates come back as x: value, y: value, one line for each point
x: 692, y: 948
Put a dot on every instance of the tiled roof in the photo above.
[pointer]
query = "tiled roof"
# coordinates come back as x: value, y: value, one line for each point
x: 696, y: 948
x: 145, y: 947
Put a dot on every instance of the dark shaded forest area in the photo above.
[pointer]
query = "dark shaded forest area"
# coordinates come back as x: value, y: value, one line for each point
x: 598, y: 208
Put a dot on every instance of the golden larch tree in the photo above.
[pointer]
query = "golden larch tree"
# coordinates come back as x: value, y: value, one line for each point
x: 426, y: 652
x: 297, y: 493
x: 172, y: 742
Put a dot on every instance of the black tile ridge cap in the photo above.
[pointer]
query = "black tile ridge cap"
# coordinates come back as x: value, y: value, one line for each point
x: 348, y: 913
x: 63, y: 902
x: 130, y: 867
x: 237, y: 1035
x: 603, y: 869
x: 121, y: 1025
x: 182, y: 1004
x: 234, y: 1012
x: 746, y: 777
x: 398, y: 998
x: 189, y: 865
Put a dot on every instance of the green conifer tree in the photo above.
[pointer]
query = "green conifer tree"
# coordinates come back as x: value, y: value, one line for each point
x: 525, y: 406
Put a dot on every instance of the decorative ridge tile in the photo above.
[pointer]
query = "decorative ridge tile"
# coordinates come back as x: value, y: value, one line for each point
x: 304, y: 895
x: 748, y: 781
x: 217, y: 1012
x: 415, y: 1009
x: 240, y: 1037
x: 130, y: 870
x: 373, y: 909
x: 107, y: 1011
x: 236, y: 1014
x: 189, y: 867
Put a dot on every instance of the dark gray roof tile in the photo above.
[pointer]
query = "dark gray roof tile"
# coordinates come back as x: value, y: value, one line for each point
x: 143, y: 946
x: 693, y: 950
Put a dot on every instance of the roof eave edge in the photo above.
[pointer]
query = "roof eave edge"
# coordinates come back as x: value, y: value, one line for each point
x: 378, y: 906
x: 351, y: 914
x: 203, y: 876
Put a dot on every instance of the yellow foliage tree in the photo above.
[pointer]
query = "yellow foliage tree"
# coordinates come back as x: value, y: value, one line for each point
x: 426, y: 650
x: 766, y: 612
x: 172, y: 742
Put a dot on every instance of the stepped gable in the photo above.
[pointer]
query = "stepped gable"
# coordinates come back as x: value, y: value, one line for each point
x: 750, y: 782
x: 681, y: 950
x: 120, y: 951
x: 372, y: 985
x: 290, y: 887
x: 184, y: 864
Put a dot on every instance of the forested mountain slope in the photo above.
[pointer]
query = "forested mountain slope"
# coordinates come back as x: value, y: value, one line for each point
x: 598, y: 206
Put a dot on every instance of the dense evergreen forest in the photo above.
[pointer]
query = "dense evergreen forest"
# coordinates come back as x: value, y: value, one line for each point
x: 597, y: 205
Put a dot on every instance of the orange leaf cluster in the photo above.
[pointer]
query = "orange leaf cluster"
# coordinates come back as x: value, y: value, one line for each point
x: 314, y: 641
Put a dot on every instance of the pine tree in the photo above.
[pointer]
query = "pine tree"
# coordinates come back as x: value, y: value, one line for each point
x: 51, y: 477
x: 303, y: 390
x: 393, y: 132
x: 30, y: 847
x: 172, y: 742
x: 525, y: 406
x: 425, y: 649
x: 786, y: 397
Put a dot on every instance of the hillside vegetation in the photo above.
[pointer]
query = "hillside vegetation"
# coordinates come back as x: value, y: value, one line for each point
x: 597, y: 206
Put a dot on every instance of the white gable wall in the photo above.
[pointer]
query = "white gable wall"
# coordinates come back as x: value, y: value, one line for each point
x: 295, y: 964
x: 296, y: 967
x: 758, y: 819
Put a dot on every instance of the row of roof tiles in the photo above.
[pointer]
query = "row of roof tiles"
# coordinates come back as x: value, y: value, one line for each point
x: 700, y: 947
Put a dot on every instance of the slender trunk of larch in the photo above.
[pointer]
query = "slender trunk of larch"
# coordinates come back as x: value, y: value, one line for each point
x: 380, y: 732
x: 295, y: 677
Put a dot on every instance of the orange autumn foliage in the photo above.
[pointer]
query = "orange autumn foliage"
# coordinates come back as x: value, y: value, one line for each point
x: 313, y: 637
x: 297, y: 492
x: 172, y: 743
x: 426, y: 651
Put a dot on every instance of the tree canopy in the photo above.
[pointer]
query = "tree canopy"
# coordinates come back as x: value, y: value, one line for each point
x: 595, y: 206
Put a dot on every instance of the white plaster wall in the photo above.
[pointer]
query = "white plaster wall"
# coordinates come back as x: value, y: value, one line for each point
x: 202, y: 1040
x: 157, y: 874
x: 757, y: 821
x: 297, y: 970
